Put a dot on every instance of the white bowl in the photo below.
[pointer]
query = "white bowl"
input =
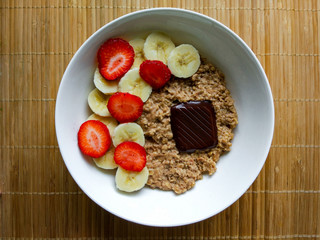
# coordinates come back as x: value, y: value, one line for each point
x: 236, y: 170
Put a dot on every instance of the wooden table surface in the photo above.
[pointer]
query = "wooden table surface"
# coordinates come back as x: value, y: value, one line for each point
x: 39, y: 199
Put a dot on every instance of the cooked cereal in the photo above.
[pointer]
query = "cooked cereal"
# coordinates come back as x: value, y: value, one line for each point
x: 173, y: 170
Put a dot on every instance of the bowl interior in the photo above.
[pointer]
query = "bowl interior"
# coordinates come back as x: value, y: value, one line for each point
x: 236, y: 170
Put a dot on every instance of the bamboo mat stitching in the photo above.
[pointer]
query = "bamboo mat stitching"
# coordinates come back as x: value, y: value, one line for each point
x: 29, y: 147
x: 42, y: 193
x: 36, y: 53
x: 295, y: 146
x: 28, y: 100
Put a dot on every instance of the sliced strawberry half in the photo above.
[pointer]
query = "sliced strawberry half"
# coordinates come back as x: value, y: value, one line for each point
x: 130, y: 156
x: 94, y: 138
x: 115, y: 58
x: 125, y: 107
x: 155, y: 72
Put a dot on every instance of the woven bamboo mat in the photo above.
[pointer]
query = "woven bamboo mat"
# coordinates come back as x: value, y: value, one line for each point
x: 39, y: 199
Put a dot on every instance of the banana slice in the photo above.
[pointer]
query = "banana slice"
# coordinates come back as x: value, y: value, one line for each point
x: 130, y: 181
x: 98, y: 103
x: 110, y: 122
x: 105, y: 86
x: 137, y: 44
x: 132, y: 83
x: 158, y: 46
x: 107, y: 160
x: 184, y: 61
x: 128, y: 132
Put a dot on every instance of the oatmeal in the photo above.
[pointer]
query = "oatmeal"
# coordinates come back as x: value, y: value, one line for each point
x: 170, y: 169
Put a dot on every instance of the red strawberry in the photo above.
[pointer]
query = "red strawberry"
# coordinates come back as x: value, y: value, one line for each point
x: 94, y: 138
x: 155, y: 72
x: 115, y: 58
x: 130, y: 156
x: 125, y: 107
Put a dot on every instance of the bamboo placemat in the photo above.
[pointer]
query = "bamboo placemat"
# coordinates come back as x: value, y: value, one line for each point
x: 39, y: 199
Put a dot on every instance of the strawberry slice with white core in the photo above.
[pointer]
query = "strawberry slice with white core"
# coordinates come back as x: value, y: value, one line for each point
x: 125, y: 107
x: 130, y: 156
x: 115, y: 58
x: 94, y: 138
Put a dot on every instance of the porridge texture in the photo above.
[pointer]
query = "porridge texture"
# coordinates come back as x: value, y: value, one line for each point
x: 170, y: 169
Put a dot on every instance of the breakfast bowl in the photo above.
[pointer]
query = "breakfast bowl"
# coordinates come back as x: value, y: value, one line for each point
x: 236, y: 170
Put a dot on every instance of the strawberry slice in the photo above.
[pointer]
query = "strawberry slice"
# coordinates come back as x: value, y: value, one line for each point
x: 115, y: 58
x: 94, y: 138
x: 155, y: 72
x: 125, y: 107
x: 130, y: 156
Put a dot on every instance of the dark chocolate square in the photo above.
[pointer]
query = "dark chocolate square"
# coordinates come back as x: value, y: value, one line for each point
x: 193, y: 125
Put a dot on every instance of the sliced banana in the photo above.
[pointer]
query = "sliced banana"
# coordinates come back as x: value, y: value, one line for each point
x: 137, y: 44
x: 184, y: 61
x: 107, y: 160
x: 105, y: 86
x: 128, y: 132
x: 110, y: 122
x: 132, y: 83
x: 158, y: 46
x: 98, y: 103
x: 130, y: 181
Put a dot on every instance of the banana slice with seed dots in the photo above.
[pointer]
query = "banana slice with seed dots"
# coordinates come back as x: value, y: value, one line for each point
x: 137, y: 44
x: 103, y: 85
x: 158, y: 46
x: 107, y: 160
x: 130, y: 181
x: 184, y: 61
x: 98, y: 103
x: 128, y: 132
x: 132, y: 83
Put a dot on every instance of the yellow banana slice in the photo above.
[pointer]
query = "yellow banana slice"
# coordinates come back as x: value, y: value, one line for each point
x: 158, y: 46
x: 184, y: 61
x: 130, y: 181
x: 137, y: 44
x: 98, y: 103
x: 128, y: 132
x: 104, y: 86
x: 132, y: 83
x: 107, y: 160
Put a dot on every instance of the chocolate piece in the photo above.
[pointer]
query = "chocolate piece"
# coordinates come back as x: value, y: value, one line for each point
x: 193, y: 125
